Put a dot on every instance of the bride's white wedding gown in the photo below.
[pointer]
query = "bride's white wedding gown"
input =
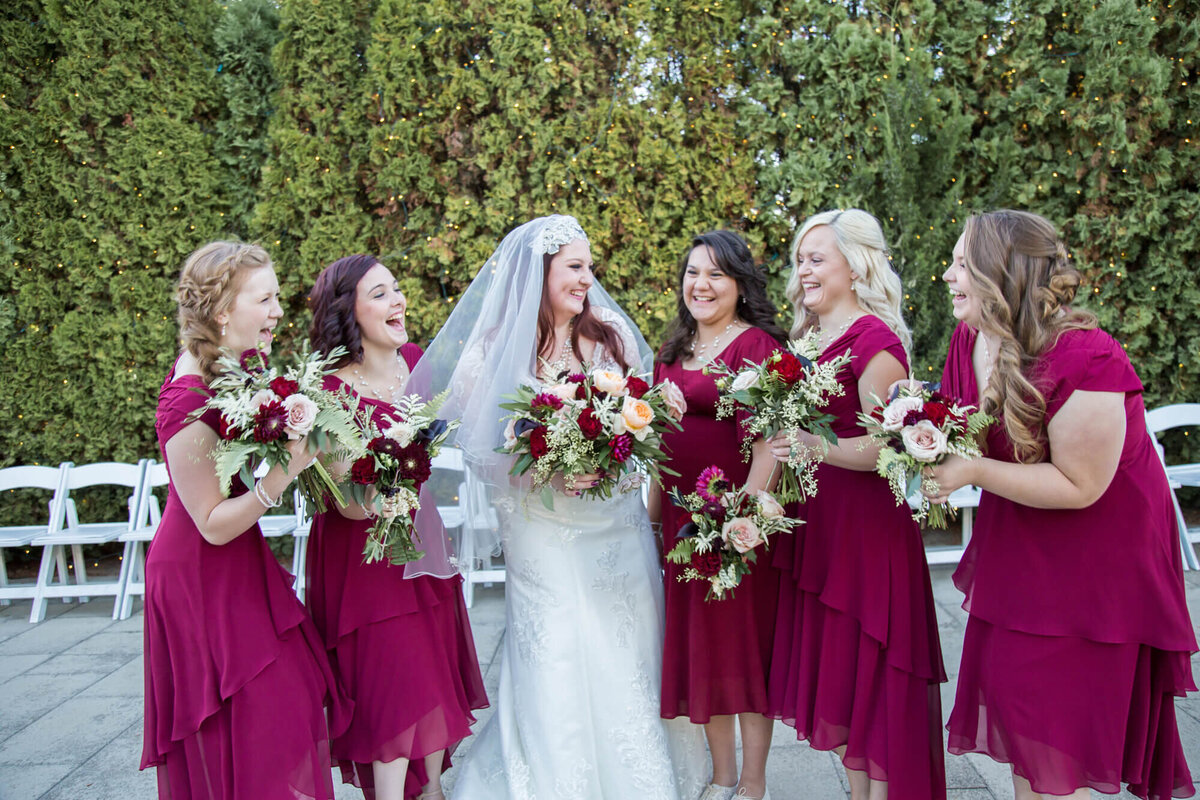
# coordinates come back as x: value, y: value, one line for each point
x: 577, y: 710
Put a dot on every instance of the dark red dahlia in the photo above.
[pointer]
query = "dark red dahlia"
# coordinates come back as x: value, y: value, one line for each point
x: 788, y: 368
x: 580, y: 391
x: 707, y: 564
x: 913, y: 417
x: 622, y: 447
x: 545, y: 400
x: 589, y: 424
x: 253, y: 360
x: 414, y: 463
x: 284, y: 387
x: 363, y: 471
x: 714, y: 511
x: 936, y: 412
x: 537, y: 442
x: 227, y: 430
x: 270, y: 422
x: 382, y: 444
x: 576, y: 377
x: 636, y: 386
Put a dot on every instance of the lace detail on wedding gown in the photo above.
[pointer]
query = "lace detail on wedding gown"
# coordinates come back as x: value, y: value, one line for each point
x: 624, y: 607
x: 530, y: 631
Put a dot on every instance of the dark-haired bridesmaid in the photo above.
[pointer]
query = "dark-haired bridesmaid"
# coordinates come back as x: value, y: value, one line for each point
x: 398, y: 636
x: 1078, y: 639
x: 717, y: 654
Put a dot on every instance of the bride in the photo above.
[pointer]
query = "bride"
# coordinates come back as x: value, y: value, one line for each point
x: 577, y: 711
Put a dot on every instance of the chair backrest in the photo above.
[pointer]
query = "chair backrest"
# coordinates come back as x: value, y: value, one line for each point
x: 450, y: 458
x: 52, y: 479
x: 106, y: 473
x: 1179, y: 415
x: 149, y: 512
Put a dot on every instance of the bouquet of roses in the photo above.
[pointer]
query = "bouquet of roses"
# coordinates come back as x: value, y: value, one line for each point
x: 398, y: 461
x: 262, y: 409
x: 595, y: 421
x: 784, y: 393
x: 728, y: 525
x: 919, y: 428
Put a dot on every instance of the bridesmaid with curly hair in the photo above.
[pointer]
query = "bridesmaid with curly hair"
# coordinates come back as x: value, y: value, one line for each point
x: 398, y: 636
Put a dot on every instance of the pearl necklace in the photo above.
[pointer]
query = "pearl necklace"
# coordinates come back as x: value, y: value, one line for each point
x: 559, y: 365
x: 836, y: 334
x: 391, y: 393
x: 700, y: 350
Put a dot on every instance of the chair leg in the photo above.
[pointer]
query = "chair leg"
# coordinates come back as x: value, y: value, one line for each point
x: 64, y: 575
x: 122, y: 583
x: 80, y: 569
x: 50, y: 555
x: 4, y: 576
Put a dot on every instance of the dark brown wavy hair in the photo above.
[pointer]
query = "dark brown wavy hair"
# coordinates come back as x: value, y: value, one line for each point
x: 332, y: 302
x: 732, y: 255
x: 1018, y: 267
x: 587, y: 325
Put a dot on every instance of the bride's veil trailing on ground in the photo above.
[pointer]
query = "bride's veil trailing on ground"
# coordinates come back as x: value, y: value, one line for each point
x: 488, y: 347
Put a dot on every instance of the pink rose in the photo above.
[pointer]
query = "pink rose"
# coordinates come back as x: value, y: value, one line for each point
x: 261, y: 398
x: 672, y: 397
x: 742, y: 533
x: 609, y: 382
x: 898, y: 409
x: 769, y: 505
x: 301, y: 415
x: 924, y: 441
x: 563, y: 391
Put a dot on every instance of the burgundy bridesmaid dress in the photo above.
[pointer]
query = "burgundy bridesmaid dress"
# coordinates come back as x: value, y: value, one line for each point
x: 716, y: 654
x: 857, y: 660
x: 1078, y: 637
x: 402, y: 648
x: 236, y: 674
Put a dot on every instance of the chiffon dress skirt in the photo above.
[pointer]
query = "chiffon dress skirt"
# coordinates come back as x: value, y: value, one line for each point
x: 1078, y: 638
x: 857, y: 659
x: 236, y: 676
x: 401, y: 647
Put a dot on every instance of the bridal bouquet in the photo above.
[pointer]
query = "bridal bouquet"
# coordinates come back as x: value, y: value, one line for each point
x: 596, y: 421
x: 262, y: 409
x: 784, y: 393
x: 398, y: 461
x: 919, y: 428
x: 727, y: 528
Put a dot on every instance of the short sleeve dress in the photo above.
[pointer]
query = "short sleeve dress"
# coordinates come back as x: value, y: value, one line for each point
x: 716, y: 654
x: 1078, y: 637
x: 857, y: 660
x: 401, y: 647
x: 237, y: 679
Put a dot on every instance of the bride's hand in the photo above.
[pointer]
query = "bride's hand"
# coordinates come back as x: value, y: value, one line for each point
x: 587, y: 480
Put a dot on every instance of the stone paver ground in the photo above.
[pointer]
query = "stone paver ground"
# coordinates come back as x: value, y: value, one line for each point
x: 71, y: 707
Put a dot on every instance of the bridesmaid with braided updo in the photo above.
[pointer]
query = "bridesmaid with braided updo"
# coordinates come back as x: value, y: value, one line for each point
x: 236, y: 675
x: 398, y: 636
x: 1078, y: 638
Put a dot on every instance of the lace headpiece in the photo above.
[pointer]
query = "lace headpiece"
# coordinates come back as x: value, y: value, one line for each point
x: 560, y: 229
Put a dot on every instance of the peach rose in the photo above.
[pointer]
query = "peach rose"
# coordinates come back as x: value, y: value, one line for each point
x: 897, y: 410
x: 769, y: 505
x: 610, y: 382
x: 563, y: 391
x: 637, y: 415
x: 301, y: 415
x: 742, y: 533
x: 924, y: 441
x: 673, y: 398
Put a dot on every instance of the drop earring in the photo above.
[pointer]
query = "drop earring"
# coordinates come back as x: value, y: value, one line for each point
x: 222, y: 330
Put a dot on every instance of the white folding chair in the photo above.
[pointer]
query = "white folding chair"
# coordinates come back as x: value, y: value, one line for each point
x: 300, y: 543
x: 469, y: 512
x: 133, y: 560
x: 74, y: 535
x: 1180, y: 415
x: 50, y: 479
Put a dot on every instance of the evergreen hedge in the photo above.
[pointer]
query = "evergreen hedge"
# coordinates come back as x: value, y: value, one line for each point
x: 424, y: 130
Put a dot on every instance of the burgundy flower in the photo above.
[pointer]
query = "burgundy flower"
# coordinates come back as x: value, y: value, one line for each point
x: 788, y: 368
x: 253, y: 360
x: 382, y: 444
x: 913, y: 417
x: 712, y: 484
x: 622, y: 447
x: 714, y: 511
x: 545, y: 400
x: 576, y: 377
x: 227, y: 430
x: 636, y: 386
x: 537, y: 442
x: 363, y: 471
x: 707, y: 564
x: 589, y: 424
x: 936, y: 412
x: 414, y: 463
x: 580, y: 392
x: 284, y: 387
x: 270, y: 423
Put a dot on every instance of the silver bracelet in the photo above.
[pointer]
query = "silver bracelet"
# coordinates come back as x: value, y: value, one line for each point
x: 264, y: 498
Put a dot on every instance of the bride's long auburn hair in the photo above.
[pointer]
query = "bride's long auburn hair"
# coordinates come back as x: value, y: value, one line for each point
x: 587, y: 325
x: 1018, y: 267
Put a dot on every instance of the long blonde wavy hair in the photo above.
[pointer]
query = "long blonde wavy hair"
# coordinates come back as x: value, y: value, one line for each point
x: 1018, y: 267
x: 208, y: 284
x: 860, y: 241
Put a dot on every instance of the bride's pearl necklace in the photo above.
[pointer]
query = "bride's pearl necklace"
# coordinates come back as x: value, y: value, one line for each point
x: 553, y: 369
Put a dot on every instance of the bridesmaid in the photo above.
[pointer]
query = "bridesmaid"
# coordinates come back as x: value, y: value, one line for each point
x: 1078, y: 638
x: 717, y: 654
x: 857, y: 661
x: 236, y: 675
x: 398, y: 636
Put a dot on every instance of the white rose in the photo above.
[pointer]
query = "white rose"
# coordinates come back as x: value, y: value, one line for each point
x: 401, y: 432
x: 563, y: 391
x: 301, y: 415
x: 609, y: 382
x: 897, y: 410
x: 769, y: 505
x: 261, y: 398
x: 924, y: 441
x: 747, y: 379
